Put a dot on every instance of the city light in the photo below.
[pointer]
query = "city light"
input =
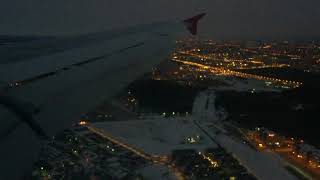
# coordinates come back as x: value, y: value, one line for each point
x: 287, y: 148
x: 82, y: 123
x: 228, y: 72
x: 261, y: 145
x: 271, y: 135
x: 213, y: 162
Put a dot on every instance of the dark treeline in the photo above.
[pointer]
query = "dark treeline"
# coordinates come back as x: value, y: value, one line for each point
x: 294, y: 112
x: 164, y: 96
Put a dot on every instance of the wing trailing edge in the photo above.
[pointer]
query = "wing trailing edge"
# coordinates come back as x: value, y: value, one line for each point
x: 192, y: 23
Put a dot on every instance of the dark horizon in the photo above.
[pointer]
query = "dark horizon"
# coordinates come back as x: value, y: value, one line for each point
x: 229, y: 19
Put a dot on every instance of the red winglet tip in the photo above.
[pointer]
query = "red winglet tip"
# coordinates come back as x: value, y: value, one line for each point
x: 192, y: 23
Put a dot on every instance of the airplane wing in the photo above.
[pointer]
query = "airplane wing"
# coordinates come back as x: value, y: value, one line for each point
x: 46, y: 84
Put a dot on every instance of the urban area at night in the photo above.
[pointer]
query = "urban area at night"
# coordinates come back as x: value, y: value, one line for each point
x: 234, y: 110
x: 160, y: 90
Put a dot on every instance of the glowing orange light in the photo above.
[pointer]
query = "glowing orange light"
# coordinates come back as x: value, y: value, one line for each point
x: 260, y: 145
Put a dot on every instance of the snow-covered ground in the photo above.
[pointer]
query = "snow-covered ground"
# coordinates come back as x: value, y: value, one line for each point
x: 263, y: 165
x: 204, y: 108
x: 158, y: 136
x: 204, y: 104
x: 156, y: 172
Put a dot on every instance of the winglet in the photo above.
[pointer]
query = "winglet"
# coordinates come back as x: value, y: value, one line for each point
x: 192, y: 23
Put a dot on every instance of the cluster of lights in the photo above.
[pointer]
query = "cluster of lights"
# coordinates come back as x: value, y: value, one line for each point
x: 282, y: 144
x: 228, y: 72
x: 193, y: 140
x: 239, y: 65
x: 212, y: 162
x: 82, y: 123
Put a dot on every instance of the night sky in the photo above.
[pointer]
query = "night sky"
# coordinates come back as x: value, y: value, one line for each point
x: 226, y: 19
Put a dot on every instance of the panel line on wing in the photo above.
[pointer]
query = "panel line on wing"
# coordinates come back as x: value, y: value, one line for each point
x: 69, y: 67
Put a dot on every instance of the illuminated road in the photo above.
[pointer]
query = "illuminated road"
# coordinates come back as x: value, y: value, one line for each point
x: 156, y: 159
x: 227, y: 72
x: 259, y: 63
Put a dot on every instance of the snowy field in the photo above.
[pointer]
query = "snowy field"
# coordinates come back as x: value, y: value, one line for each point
x: 263, y: 165
x: 158, y: 136
x: 258, y: 163
x: 156, y: 172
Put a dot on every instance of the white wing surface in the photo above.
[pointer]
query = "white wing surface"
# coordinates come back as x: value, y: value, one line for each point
x: 48, y: 83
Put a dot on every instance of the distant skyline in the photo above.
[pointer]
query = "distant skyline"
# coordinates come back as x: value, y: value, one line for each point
x: 226, y: 19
